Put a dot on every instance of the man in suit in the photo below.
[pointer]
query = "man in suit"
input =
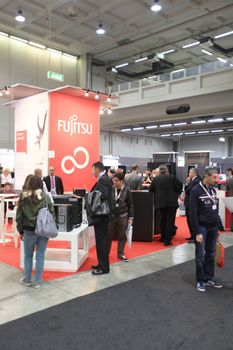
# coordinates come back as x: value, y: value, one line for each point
x: 166, y: 189
x: 104, y: 185
x: 53, y: 183
x: 134, y: 180
x: 192, y: 180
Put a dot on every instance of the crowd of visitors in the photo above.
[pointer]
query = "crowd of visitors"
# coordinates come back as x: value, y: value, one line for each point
x: 201, y: 207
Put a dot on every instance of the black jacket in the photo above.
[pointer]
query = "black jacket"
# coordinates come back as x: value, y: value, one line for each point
x: 201, y: 211
x: 188, y: 189
x: 124, y: 203
x: 166, y: 189
x: 104, y: 185
x: 58, y: 184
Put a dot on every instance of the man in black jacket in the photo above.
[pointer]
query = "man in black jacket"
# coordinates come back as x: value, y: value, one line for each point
x: 192, y: 180
x: 204, y: 224
x: 104, y: 185
x: 53, y: 183
x: 122, y: 214
x: 166, y: 189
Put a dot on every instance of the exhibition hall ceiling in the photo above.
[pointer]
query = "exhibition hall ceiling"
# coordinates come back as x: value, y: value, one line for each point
x: 133, y: 31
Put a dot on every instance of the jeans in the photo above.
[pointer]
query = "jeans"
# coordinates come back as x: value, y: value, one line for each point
x: 30, y: 242
x: 205, y: 254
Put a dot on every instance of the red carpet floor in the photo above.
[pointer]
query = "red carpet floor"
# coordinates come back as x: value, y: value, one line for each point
x: 10, y: 255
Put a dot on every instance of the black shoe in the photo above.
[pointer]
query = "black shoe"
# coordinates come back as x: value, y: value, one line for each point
x: 95, y: 267
x: 99, y: 272
x: 167, y: 243
x: 191, y: 241
x: 189, y: 238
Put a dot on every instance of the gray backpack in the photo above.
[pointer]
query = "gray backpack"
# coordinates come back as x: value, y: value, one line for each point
x: 45, y: 223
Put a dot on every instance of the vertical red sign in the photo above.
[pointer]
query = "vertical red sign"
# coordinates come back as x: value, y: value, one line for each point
x: 21, y: 141
x: 74, y: 139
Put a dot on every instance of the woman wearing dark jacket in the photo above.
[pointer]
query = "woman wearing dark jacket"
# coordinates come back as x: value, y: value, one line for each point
x: 32, y: 199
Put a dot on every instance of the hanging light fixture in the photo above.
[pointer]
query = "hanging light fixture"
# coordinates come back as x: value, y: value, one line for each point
x: 87, y: 93
x: 20, y: 17
x: 100, y: 30
x: 156, y: 7
x: 97, y: 96
x: 7, y: 92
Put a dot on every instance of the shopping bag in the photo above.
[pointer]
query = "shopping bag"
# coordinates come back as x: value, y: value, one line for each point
x: 129, y: 234
x: 219, y: 256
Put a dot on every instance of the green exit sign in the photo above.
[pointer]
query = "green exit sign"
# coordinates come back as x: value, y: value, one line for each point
x: 55, y: 76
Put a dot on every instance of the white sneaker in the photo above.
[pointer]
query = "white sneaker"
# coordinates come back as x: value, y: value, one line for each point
x: 37, y: 285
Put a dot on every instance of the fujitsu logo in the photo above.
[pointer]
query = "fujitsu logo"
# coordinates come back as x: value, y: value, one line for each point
x: 73, y: 126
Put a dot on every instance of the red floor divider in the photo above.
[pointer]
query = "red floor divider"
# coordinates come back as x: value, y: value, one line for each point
x: 10, y: 255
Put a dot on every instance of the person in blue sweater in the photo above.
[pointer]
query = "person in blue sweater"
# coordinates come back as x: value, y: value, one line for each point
x: 204, y: 218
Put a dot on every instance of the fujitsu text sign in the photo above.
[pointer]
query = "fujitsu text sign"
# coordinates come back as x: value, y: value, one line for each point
x: 73, y: 126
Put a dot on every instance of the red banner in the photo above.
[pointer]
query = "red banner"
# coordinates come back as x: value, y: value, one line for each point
x: 74, y: 139
x: 21, y: 141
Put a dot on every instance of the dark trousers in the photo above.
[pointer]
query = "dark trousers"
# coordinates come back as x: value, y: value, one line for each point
x: 117, y: 227
x: 187, y: 211
x: 157, y: 220
x: 102, y: 243
x: 205, y: 254
x: 167, y: 223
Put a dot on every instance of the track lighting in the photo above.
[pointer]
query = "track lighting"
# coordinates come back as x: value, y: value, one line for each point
x: 7, y: 92
x: 100, y: 30
x: 156, y: 6
x: 20, y: 17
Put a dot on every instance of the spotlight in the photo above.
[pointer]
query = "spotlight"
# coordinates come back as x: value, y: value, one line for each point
x: 109, y: 98
x: 222, y: 139
x: 7, y: 92
x: 156, y: 7
x: 87, y: 93
x: 20, y: 17
x: 1, y: 94
x: 97, y: 96
x: 100, y: 30
x: 102, y: 111
x: 109, y: 111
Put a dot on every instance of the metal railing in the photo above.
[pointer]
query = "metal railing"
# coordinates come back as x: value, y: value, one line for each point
x: 174, y: 75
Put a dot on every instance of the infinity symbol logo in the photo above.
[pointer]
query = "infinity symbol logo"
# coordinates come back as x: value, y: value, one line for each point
x: 73, y: 161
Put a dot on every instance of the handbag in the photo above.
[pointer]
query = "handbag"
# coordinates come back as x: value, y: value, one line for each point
x: 220, y: 254
x: 95, y: 207
x: 45, y: 223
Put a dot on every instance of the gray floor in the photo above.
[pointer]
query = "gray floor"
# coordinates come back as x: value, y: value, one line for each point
x: 17, y: 300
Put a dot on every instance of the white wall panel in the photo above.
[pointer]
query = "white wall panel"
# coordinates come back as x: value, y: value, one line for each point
x: 132, y: 146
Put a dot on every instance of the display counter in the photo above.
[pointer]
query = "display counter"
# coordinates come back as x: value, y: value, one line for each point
x: 65, y: 259
x: 143, y: 225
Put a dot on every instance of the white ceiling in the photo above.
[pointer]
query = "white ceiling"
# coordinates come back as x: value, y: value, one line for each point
x: 180, y: 22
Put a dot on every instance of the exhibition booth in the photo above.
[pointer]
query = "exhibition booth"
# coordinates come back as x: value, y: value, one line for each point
x: 61, y: 128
